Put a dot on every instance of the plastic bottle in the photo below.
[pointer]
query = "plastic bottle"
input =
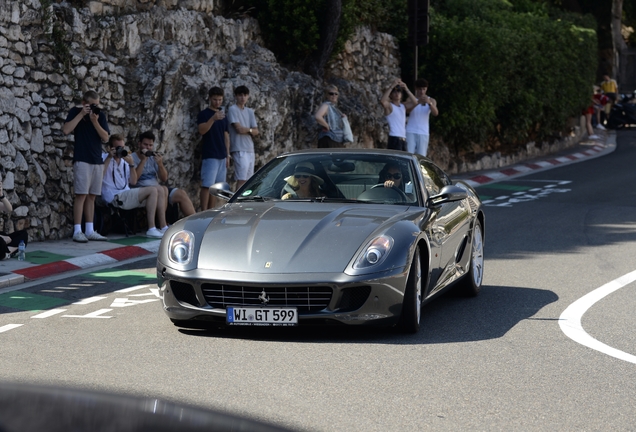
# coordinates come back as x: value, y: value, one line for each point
x: 21, y: 251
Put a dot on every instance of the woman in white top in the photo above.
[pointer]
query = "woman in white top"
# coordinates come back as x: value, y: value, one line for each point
x: 395, y: 113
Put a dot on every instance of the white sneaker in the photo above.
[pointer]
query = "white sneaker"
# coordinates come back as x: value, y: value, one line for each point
x: 95, y: 236
x: 80, y: 237
x: 154, y: 232
x: 594, y: 137
x: 164, y: 229
x: 600, y: 127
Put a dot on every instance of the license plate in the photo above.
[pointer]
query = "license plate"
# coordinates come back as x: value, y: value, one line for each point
x: 255, y: 316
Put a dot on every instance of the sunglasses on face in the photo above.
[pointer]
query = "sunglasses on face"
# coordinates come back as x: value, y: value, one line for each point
x: 333, y: 94
x: 301, y: 176
x: 395, y: 176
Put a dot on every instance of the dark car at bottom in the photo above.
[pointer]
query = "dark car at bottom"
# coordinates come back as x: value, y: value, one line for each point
x: 357, y: 251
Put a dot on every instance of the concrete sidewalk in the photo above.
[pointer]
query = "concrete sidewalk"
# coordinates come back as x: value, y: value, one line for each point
x: 49, y: 258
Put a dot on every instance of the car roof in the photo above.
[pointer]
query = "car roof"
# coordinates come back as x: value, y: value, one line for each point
x: 384, y: 152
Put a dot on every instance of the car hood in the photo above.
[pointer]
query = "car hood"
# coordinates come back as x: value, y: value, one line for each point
x: 290, y: 237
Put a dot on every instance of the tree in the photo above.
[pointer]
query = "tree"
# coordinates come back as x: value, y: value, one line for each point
x: 329, y: 25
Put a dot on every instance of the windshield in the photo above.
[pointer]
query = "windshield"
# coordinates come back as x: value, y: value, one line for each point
x: 355, y: 177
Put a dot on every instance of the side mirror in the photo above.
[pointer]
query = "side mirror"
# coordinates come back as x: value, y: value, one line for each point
x: 221, y: 190
x: 449, y: 193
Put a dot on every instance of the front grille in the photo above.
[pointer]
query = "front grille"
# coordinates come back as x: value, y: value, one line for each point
x: 305, y: 299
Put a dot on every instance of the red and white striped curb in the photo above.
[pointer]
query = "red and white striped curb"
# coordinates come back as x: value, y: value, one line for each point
x: 516, y: 170
x: 106, y: 257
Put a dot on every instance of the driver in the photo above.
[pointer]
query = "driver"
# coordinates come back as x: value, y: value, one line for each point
x: 391, y: 176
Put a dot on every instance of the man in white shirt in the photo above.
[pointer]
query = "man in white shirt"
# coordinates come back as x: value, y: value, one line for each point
x: 119, y: 172
x: 395, y: 113
x: 242, y: 128
x: 417, y: 127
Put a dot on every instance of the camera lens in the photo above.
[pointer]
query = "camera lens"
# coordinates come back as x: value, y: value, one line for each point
x: 121, y: 152
x: 149, y: 153
x: 95, y: 109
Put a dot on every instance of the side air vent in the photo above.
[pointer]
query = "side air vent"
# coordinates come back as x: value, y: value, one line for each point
x: 184, y: 292
x: 353, y: 298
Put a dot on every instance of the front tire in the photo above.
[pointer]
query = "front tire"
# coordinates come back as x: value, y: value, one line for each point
x: 470, y: 284
x: 412, y: 305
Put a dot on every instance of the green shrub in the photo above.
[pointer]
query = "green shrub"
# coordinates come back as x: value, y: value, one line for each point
x: 505, y: 77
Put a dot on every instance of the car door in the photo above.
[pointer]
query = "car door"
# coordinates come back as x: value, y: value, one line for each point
x: 448, y: 227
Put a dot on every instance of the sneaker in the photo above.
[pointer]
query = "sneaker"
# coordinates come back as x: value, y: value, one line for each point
x: 95, y: 236
x: 80, y: 237
x: 154, y: 232
x: 164, y: 229
x: 600, y: 127
x: 594, y: 137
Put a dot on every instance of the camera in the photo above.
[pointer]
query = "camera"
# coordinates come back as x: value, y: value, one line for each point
x: 95, y: 109
x: 121, y: 152
x: 149, y: 153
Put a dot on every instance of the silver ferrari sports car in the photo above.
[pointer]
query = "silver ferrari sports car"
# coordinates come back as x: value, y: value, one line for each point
x: 330, y: 236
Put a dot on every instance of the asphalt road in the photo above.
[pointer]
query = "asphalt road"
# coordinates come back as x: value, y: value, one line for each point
x: 500, y: 361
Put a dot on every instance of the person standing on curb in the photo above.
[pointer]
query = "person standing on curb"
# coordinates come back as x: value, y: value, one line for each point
x: 610, y: 88
x: 417, y: 127
x: 214, y: 129
x: 330, y: 118
x: 90, y: 128
x: 395, y: 113
x: 244, y: 127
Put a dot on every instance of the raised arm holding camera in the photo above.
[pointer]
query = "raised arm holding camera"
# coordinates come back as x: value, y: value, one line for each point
x: 119, y: 174
x: 151, y: 171
x: 90, y: 128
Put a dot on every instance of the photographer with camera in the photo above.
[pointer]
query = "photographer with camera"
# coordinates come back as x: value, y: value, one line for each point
x: 90, y: 129
x: 119, y: 173
x: 151, y: 171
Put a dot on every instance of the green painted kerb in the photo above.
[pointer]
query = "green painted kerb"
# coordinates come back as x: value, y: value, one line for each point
x: 29, y: 302
x: 124, y: 276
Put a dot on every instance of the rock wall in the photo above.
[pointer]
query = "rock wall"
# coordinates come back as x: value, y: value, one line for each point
x: 152, y: 63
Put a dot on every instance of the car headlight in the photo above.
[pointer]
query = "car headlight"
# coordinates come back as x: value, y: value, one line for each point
x: 181, y: 247
x: 374, y: 253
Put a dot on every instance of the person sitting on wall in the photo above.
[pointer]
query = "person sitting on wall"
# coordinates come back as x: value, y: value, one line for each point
x: 9, y: 242
x: 150, y: 171
x: 119, y: 174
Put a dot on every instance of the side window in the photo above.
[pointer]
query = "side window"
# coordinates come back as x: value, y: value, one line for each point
x: 434, y: 178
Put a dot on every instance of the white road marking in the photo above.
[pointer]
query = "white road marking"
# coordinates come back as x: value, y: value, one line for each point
x: 9, y: 327
x: 96, y: 314
x: 124, y: 302
x: 142, y: 295
x: 570, y: 319
x: 89, y: 300
x: 133, y: 288
x: 49, y: 313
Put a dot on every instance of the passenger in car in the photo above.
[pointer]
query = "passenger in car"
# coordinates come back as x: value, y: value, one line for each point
x: 304, y: 183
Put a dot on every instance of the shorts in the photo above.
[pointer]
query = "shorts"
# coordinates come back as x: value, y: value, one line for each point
x: 87, y: 178
x: 417, y: 143
x: 171, y: 192
x: 396, y: 143
x: 128, y: 199
x: 213, y: 171
x: 243, y: 165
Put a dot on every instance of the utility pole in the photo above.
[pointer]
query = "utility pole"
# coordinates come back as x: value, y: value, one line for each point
x: 418, y: 27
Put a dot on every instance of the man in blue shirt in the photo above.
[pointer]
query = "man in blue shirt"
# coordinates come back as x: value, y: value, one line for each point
x: 214, y: 128
x: 90, y: 128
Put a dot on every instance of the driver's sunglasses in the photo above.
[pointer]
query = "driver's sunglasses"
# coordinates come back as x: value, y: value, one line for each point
x: 301, y: 176
x: 333, y: 94
x: 395, y: 176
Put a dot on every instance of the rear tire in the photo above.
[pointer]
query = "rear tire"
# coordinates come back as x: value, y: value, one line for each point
x: 412, y: 305
x: 470, y: 284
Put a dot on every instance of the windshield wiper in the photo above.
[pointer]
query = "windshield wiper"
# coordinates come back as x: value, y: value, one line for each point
x: 253, y: 198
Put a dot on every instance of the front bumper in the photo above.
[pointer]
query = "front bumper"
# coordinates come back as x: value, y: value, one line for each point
x: 356, y: 300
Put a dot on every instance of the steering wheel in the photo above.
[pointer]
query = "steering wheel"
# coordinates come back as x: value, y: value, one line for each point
x: 394, y: 189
